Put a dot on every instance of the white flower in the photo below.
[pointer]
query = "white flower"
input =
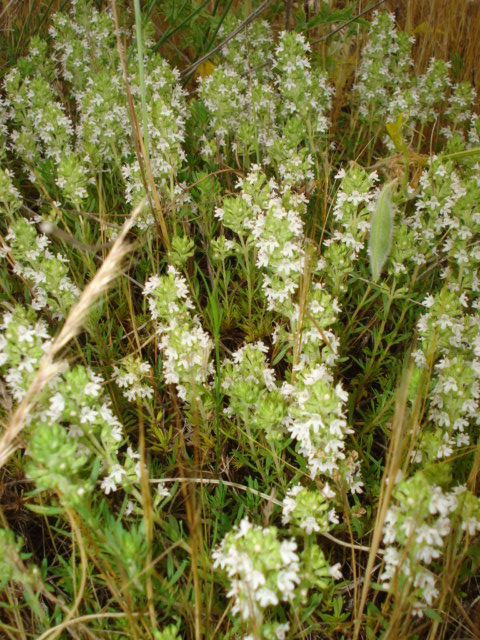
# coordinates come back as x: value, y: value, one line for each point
x: 108, y: 484
x: 243, y: 528
x: 328, y: 491
x: 286, y: 581
x: 162, y: 490
x: 287, y: 551
x: 333, y: 517
x: 428, y: 301
x: 117, y: 472
x: 335, y: 571
x: 266, y: 597
x: 282, y: 630
x: 471, y: 525
x: 254, y: 578
x: 309, y: 525
x: 441, y: 503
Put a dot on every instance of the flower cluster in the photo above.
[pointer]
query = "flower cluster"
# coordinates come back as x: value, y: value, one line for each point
x: 429, y: 93
x: 43, y: 130
x: 315, y: 415
x: 388, y: 91
x: 186, y: 347
x: 384, y: 69
x: 239, y: 213
x: 262, y: 102
x: 250, y: 49
x: 433, y: 503
x: 446, y: 222
x: 166, y: 114
x: 224, y: 94
x: 10, y: 197
x: 130, y: 377
x: 263, y: 570
x: 58, y: 462
x: 46, y: 273
x: 239, y: 95
x: 44, y: 134
x: 449, y: 337
x: 305, y: 94
x: 104, y: 129
x: 460, y: 107
x: 81, y: 39
x: 304, y: 101
x: 351, y: 213
x: 316, y: 419
x: 252, y: 391
x: 87, y: 425
x: 417, y: 524
x: 419, y: 100
x: 309, y: 511
x: 24, y: 341
x: 85, y: 48
x: 278, y: 234
x: 72, y: 422
x: 444, y: 226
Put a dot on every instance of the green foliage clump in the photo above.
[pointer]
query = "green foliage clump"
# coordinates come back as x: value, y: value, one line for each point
x: 290, y: 354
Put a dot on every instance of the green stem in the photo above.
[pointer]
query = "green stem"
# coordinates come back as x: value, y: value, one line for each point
x: 458, y: 155
x: 248, y: 272
x: 138, y: 28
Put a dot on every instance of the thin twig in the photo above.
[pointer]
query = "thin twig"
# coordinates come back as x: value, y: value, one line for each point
x: 140, y: 150
x: 49, y: 229
x: 345, y: 24
x: 86, y: 618
x: 6, y: 9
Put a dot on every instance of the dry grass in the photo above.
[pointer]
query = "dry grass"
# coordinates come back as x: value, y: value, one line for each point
x: 448, y: 29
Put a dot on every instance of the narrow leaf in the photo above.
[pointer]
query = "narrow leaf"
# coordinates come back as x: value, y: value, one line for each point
x: 381, y: 231
x: 44, y: 509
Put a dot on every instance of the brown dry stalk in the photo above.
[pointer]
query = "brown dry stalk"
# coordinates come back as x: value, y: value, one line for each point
x: 392, y: 467
x: 78, y: 313
x: 446, y: 29
x: 139, y: 144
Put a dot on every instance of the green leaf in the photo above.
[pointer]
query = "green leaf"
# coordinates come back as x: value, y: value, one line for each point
x: 44, y: 510
x: 432, y: 614
x: 280, y: 355
x: 326, y: 16
x: 381, y: 231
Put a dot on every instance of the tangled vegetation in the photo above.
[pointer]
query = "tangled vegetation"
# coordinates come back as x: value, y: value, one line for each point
x: 240, y: 328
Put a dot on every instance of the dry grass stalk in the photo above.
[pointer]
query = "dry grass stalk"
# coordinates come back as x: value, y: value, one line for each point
x: 447, y: 29
x: 392, y: 467
x: 78, y: 313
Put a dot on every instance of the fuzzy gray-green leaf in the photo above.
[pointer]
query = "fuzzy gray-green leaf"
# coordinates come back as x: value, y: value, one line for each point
x: 381, y: 231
